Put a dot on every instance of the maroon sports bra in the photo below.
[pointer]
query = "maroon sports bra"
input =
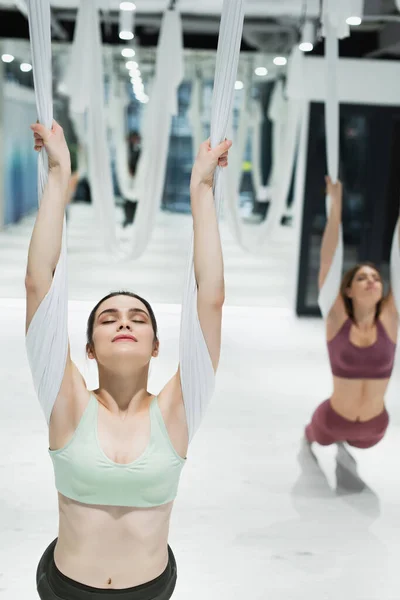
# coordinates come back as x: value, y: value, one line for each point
x: 353, y: 362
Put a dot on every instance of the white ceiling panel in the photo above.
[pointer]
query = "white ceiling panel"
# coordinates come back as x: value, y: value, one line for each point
x: 254, y: 8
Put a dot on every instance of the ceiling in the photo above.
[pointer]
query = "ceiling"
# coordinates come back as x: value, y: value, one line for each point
x: 271, y: 26
x: 257, y: 8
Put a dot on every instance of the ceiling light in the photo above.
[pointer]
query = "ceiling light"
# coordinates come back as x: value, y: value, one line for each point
x: 126, y: 35
x: 280, y: 61
x: 128, y: 53
x: 25, y: 67
x: 7, y: 58
x: 261, y: 71
x: 131, y: 64
x: 306, y: 47
x: 127, y: 6
x: 355, y: 21
x: 239, y: 85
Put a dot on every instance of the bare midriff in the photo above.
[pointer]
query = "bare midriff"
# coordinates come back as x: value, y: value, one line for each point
x: 359, y: 399
x: 110, y: 547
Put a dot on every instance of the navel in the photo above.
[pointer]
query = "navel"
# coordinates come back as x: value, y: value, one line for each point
x: 109, y: 581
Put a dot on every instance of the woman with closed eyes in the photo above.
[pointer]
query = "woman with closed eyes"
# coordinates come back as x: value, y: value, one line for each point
x: 118, y: 451
x: 361, y: 332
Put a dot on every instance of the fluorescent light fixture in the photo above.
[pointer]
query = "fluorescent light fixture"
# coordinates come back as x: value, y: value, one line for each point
x: 131, y: 65
x: 128, y: 53
x: 239, y: 85
x: 126, y: 35
x: 306, y: 46
x: 127, y: 6
x: 25, y: 67
x: 261, y: 71
x: 280, y: 61
x: 7, y: 58
x: 354, y: 21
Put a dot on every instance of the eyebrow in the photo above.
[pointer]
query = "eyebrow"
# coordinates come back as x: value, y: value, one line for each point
x: 116, y: 311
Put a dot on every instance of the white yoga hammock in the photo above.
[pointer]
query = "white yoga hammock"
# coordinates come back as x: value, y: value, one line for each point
x: 195, y: 111
x: 86, y: 64
x: 47, y: 336
x: 334, y: 26
x: 256, y: 238
x: 117, y: 113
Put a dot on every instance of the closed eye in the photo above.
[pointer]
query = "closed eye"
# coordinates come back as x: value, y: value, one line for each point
x: 134, y: 321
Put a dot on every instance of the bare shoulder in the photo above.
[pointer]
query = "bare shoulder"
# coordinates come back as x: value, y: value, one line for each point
x: 336, y: 318
x: 69, y: 406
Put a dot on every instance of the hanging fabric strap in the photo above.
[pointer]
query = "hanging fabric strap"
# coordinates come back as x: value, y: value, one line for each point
x: 87, y: 65
x: 333, y: 28
x: 197, y: 373
x: 47, y: 336
x: 195, y: 111
x: 117, y: 117
x: 257, y: 122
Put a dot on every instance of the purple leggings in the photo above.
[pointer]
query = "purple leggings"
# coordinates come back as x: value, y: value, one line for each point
x: 328, y: 427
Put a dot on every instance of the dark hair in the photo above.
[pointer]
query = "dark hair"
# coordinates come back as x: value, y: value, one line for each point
x: 346, y: 283
x: 90, y: 324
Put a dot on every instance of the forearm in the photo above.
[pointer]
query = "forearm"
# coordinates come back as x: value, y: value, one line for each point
x: 208, y: 259
x: 330, y: 238
x: 45, y: 246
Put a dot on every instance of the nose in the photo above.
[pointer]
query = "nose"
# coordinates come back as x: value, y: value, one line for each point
x: 123, y: 324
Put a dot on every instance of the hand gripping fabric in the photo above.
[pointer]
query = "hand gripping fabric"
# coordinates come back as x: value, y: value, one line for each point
x: 86, y: 64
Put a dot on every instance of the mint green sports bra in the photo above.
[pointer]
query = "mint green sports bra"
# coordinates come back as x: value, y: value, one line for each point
x: 84, y: 473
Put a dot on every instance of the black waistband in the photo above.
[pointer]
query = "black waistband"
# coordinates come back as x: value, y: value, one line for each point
x: 68, y: 588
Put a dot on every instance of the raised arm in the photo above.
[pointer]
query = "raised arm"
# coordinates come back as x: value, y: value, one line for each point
x: 54, y: 375
x: 191, y: 389
x: 391, y: 307
x: 45, y: 245
x: 208, y: 260
x: 331, y: 257
x: 330, y: 238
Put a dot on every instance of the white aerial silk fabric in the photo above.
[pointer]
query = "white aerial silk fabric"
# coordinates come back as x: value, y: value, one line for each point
x: 195, y: 112
x: 235, y: 173
x: 257, y: 237
x: 290, y: 118
x: 277, y: 114
x: 86, y: 64
x: 256, y: 124
x: 117, y: 118
x: 197, y: 373
x: 331, y: 287
x: 47, y: 337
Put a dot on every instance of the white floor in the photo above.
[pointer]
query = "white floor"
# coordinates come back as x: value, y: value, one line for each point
x: 256, y: 517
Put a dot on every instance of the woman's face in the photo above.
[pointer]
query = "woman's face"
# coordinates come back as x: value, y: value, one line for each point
x: 123, y: 316
x: 366, y: 287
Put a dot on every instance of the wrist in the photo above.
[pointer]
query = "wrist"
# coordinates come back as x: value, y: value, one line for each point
x: 63, y: 173
x: 198, y: 187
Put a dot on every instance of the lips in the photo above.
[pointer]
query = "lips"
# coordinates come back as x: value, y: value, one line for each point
x: 125, y: 337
